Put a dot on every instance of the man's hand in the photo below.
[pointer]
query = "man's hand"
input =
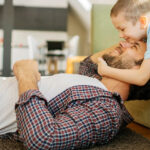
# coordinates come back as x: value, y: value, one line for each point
x: 26, y: 72
x: 26, y: 69
x: 102, y: 66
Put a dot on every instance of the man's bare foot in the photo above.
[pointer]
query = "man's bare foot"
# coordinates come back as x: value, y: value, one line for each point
x: 26, y: 72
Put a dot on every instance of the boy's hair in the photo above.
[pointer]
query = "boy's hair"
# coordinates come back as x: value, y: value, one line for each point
x: 132, y: 9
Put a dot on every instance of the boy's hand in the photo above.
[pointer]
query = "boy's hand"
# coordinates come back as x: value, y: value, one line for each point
x: 102, y: 66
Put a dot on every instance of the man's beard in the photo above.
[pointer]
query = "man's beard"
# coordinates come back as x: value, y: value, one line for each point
x: 118, y: 62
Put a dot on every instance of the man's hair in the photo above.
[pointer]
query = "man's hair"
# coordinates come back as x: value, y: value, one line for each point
x: 132, y: 9
x: 114, y: 62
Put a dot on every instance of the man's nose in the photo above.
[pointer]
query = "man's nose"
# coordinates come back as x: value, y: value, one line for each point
x: 125, y: 44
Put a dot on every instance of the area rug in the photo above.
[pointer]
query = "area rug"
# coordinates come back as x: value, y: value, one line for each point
x: 125, y: 140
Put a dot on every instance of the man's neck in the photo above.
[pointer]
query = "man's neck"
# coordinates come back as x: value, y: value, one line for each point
x: 117, y: 86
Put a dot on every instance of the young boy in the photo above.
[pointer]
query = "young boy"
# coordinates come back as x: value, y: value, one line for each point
x: 132, y: 19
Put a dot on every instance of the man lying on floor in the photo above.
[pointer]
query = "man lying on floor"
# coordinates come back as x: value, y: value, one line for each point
x: 89, y: 67
x: 65, y: 111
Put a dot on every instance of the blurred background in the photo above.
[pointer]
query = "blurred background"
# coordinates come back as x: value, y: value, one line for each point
x: 56, y: 33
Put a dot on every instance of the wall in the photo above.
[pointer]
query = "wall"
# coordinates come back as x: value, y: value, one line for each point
x: 82, y: 12
x: 101, y: 29
x: 102, y: 1
x: 104, y: 34
x: 75, y: 26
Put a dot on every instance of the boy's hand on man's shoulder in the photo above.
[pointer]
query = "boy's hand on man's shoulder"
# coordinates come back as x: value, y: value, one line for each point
x: 102, y: 67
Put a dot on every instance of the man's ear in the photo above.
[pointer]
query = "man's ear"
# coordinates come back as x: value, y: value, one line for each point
x: 143, y: 22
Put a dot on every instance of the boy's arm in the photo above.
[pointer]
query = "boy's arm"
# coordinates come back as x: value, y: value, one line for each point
x: 88, y: 66
x: 147, y: 53
x: 132, y: 76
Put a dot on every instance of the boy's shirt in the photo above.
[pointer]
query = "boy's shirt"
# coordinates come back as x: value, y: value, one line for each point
x: 147, y: 53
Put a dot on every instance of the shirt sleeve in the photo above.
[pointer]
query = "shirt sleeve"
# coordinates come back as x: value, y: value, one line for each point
x: 88, y: 68
x: 30, y: 110
x: 147, y: 53
x: 38, y: 128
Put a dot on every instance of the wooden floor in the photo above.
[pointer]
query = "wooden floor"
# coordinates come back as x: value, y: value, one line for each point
x: 140, y: 129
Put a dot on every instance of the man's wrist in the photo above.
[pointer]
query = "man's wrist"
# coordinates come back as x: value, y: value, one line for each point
x: 26, y: 72
x: 26, y: 84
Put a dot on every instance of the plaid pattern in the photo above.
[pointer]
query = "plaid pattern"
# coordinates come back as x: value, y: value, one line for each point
x: 78, y: 117
x: 89, y: 68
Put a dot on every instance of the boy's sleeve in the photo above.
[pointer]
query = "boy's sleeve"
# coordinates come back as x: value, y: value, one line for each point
x: 147, y: 53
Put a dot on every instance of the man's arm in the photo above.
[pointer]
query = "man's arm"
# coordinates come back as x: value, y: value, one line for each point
x: 31, y: 108
x: 26, y: 72
x: 36, y: 125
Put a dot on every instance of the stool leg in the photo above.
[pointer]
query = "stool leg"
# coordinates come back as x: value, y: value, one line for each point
x: 55, y: 66
x: 53, y: 63
x: 69, y: 66
x: 49, y: 66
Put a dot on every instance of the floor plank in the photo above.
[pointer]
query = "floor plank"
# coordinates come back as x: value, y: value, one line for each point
x: 144, y: 131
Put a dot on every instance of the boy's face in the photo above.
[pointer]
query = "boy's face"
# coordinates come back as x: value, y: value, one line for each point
x: 127, y: 30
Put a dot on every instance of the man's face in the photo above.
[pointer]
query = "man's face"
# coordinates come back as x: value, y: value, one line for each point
x: 126, y: 58
x: 127, y: 30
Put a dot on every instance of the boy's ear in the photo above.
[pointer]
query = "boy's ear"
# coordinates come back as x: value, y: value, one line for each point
x: 143, y: 22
